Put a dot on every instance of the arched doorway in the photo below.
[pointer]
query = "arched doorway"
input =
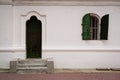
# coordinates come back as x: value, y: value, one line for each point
x: 33, y: 38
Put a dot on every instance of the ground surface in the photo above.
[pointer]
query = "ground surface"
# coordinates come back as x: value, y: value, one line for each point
x: 62, y: 76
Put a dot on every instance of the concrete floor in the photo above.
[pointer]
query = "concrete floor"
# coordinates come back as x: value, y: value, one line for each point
x: 62, y: 76
x: 74, y: 70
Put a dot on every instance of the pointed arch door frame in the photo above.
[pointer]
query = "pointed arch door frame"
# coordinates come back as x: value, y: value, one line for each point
x: 24, y: 18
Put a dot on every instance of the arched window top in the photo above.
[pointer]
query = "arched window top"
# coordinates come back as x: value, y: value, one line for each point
x: 92, y: 15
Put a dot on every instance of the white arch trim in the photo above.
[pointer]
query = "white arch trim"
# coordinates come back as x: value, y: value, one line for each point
x: 24, y: 18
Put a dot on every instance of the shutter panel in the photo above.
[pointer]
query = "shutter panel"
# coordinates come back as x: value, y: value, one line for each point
x: 104, y: 27
x: 86, y: 27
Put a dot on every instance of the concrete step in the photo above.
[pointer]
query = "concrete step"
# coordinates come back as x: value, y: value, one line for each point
x: 31, y: 61
x: 32, y: 68
x: 23, y: 71
x: 32, y: 65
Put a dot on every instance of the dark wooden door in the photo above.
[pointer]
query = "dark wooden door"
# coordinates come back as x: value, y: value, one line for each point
x: 34, y: 38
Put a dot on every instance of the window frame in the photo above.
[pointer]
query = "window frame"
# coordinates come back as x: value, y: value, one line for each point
x: 89, y: 27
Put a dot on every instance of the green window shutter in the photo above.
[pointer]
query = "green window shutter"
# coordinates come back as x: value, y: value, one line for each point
x: 104, y: 27
x: 86, y: 27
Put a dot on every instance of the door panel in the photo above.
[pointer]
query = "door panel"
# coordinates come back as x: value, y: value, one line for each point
x: 34, y: 38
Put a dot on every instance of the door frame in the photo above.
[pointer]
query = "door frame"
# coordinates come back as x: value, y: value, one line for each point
x: 23, y: 18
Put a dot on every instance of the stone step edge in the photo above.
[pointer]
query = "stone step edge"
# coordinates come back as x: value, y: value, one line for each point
x: 20, y: 68
x: 22, y: 65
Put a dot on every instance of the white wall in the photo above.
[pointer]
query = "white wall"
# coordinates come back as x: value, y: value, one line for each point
x: 64, y: 25
x: 6, y: 34
x: 63, y: 37
x: 6, y: 27
x: 84, y: 59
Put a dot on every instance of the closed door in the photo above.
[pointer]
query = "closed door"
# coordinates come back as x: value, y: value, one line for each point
x: 34, y: 38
